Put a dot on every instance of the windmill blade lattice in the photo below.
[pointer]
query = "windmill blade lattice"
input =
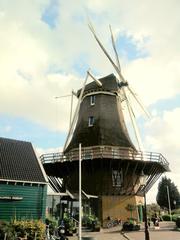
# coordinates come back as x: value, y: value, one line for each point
x: 122, y: 80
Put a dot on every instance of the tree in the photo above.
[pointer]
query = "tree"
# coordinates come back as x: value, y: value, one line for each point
x: 153, y: 208
x: 162, y: 196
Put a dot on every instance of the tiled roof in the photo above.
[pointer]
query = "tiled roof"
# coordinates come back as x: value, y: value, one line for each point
x: 18, y: 161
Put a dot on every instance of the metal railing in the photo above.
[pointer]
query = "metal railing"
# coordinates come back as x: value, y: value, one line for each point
x: 112, y: 152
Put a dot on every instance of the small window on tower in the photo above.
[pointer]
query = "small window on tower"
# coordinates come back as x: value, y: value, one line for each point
x: 91, y: 121
x: 92, y: 100
x: 117, y: 178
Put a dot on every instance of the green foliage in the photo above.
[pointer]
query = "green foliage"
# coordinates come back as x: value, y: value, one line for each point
x: 176, y: 211
x: 6, y: 229
x: 178, y: 222
x: 130, y: 227
x: 162, y: 197
x: 167, y: 217
x: 174, y: 217
x: 91, y: 222
x: 153, y: 208
x: 28, y: 229
x: 69, y: 225
x: 52, y: 225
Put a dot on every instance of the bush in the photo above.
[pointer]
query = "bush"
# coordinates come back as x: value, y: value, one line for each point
x: 92, y: 223
x: 174, y: 217
x: 178, y: 222
x: 130, y: 227
x: 22, y: 229
x: 6, y: 230
x: 52, y: 225
x: 166, y: 217
x: 69, y: 226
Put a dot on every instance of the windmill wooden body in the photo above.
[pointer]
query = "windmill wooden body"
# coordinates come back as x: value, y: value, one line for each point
x: 111, y: 164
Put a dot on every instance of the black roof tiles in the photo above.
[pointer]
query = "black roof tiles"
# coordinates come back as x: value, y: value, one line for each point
x: 18, y: 161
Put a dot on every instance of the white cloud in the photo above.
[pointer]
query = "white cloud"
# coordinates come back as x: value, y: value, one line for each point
x: 41, y: 151
x: 30, y: 47
x: 30, y: 50
x: 162, y: 135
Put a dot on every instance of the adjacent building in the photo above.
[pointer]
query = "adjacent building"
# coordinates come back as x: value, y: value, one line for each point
x: 23, y: 183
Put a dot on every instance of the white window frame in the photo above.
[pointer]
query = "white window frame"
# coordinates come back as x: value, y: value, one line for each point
x: 90, y: 121
x: 92, y: 100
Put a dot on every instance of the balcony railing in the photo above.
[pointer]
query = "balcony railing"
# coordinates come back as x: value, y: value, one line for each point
x: 112, y: 152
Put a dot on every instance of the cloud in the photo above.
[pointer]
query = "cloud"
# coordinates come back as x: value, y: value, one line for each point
x: 163, y: 132
x: 40, y: 61
x: 41, y: 151
x: 162, y: 135
x: 35, y: 49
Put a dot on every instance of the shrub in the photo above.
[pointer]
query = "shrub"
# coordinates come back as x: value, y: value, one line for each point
x: 6, y: 230
x: 178, y: 222
x: 174, y: 217
x: 92, y: 222
x: 22, y: 229
x: 166, y: 217
x: 127, y: 226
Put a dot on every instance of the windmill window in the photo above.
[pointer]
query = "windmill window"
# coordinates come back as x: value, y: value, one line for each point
x: 92, y: 100
x: 117, y: 178
x: 91, y: 121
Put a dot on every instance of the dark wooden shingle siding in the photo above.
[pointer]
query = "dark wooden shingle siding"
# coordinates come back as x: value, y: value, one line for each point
x: 19, y: 162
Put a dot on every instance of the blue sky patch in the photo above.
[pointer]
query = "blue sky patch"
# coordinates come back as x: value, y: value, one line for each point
x: 81, y: 65
x: 167, y: 104
x: 51, y: 14
x: 128, y: 49
x: 22, y: 129
x: 53, y: 68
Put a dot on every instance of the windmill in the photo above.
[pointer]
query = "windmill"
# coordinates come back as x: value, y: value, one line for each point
x: 124, y: 91
x: 111, y: 164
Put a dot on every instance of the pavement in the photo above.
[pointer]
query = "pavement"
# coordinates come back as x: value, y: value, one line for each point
x: 165, y: 232
x: 105, y: 234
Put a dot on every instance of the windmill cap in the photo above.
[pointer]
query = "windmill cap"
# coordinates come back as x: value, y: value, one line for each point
x: 109, y: 83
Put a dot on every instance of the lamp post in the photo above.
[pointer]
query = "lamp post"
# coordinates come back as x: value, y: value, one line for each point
x: 143, y: 184
x: 169, y: 202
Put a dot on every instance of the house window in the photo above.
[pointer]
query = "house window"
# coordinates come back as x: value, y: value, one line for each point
x: 91, y: 121
x: 92, y: 100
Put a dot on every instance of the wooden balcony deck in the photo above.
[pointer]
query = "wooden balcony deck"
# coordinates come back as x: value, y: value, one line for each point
x: 107, y: 152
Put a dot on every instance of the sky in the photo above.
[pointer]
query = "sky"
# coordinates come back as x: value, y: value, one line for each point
x: 46, y: 49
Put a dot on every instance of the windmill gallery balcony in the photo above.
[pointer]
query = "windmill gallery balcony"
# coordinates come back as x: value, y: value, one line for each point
x: 111, y: 157
x: 96, y: 152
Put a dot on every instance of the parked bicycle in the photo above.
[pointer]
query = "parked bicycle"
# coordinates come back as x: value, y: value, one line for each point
x: 112, y: 222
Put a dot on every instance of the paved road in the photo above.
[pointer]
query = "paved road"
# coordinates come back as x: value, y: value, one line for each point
x: 155, y: 235
x: 165, y: 232
x: 104, y: 234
